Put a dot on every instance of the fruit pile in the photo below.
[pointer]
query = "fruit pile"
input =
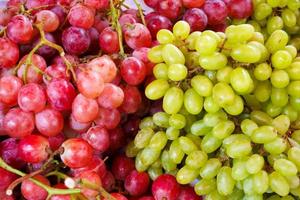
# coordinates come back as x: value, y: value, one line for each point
x: 196, y: 99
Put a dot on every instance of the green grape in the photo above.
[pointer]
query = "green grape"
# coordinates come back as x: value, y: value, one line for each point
x: 271, y: 158
x: 158, y: 140
x: 262, y: 92
x: 156, y: 89
x: 155, y: 54
x: 139, y: 165
x: 186, y: 175
x: 173, y: 100
x: 295, y: 103
x: 255, y: 25
x: 281, y: 124
x: 212, y: 119
x: 196, y: 159
x: 277, y: 146
x: 223, y: 75
x: 157, y: 164
x: 193, y: 102
x: 238, y: 21
x: 223, y: 94
x: 161, y: 119
x: 149, y: 155
x: 237, y: 194
x: 199, y: 128
x: 154, y: 172
x: 205, y: 186
x: 273, y: 110
x: 215, y: 195
x: 258, y: 37
x: 213, y: 34
x: 260, y: 117
x: 290, y: 112
x: 279, y: 97
x: 280, y: 78
x: 206, y: 45
x: 166, y: 161
x: 172, y: 55
x: 191, y: 40
x: 131, y: 150
x: 164, y: 36
x: 214, y: 61
x: 262, y: 72
x: 253, y: 197
x: 241, y: 81
x: 293, y: 181
x: 177, y: 121
x: 248, y: 185
x: 225, y: 182
x: 210, y: 105
x: 277, y: 40
x: 274, y: 23
x: 292, y: 50
x: 262, y: 11
x: 187, y: 145
x: 147, y: 122
x: 210, y: 169
x: 190, y: 119
x: 211, y: 74
x: 296, y: 192
x: 294, y: 89
x: 293, y: 4
x: 283, y: 3
x: 246, y: 53
x: 263, y: 50
x: 281, y: 59
x: 192, y: 59
x: 255, y: 163
x: 236, y: 108
x: 202, y: 85
x: 210, y: 144
x: 248, y: 126
x: 294, y: 71
x: 160, y: 71
x: 223, y: 129
x: 196, y: 140
x: 143, y: 137
x: 239, y: 171
x: 264, y: 134
x: 240, y: 33
x: 177, y: 72
x: 285, y: 167
x: 181, y: 30
x: 172, y: 133
x: 176, y: 154
x: 234, y: 137
x: 296, y: 135
x: 279, y: 184
x: 273, y: 3
x: 289, y: 17
x: 239, y: 148
x: 260, y: 182
x: 292, y: 30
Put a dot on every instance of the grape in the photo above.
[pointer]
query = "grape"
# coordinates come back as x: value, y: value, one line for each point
x: 177, y: 72
x: 278, y: 184
x: 239, y: 171
x: 206, y: 45
x: 246, y: 53
x: 277, y: 40
x: 169, y: 8
x: 181, y: 30
x: 177, y: 121
x: 223, y: 129
x: 280, y: 78
x: 196, y: 18
x: 156, y: 23
x: 281, y: 59
x: 202, y: 85
x: 216, y: 11
x: 84, y: 109
x: 210, y: 105
x: 262, y: 71
x: 137, y: 35
x: 239, y: 9
x: 288, y: 17
x: 196, y: 159
x: 20, y: 29
x: 186, y: 175
x: 172, y: 55
x: 262, y: 11
x: 210, y: 143
x: 240, y: 33
x: 225, y: 182
x: 108, y: 41
x: 48, y: 19
x: 223, y: 94
x: 157, y: 89
x: 285, y: 167
x: 274, y: 23
x: 254, y: 163
x: 210, y: 169
x: 81, y: 16
x: 214, y: 61
x: 133, y: 70
x: 263, y: 134
x: 193, y: 102
x: 9, y: 52
x: 239, y: 149
x: 241, y: 81
x: 173, y: 100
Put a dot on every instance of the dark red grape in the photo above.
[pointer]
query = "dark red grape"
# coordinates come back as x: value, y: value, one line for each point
x: 137, y: 35
x: 108, y: 118
x: 137, y: 183
x: 9, y: 153
x: 132, y: 99
x: 169, y: 8
x: 239, y: 9
x: 216, y: 11
x: 196, y: 18
x: 188, y: 193
x: 165, y: 187
x: 193, y: 3
x: 122, y: 166
x: 158, y: 22
x: 133, y: 70
x: 108, y: 41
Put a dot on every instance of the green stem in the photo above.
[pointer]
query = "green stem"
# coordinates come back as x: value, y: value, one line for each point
x: 140, y: 11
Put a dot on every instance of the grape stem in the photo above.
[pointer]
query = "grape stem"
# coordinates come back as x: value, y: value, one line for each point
x: 140, y: 12
x: 51, y: 191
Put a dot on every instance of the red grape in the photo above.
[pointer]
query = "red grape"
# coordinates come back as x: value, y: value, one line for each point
x: 60, y: 13
x: 131, y: 127
x: 108, y: 41
x: 32, y: 98
x: 46, y: 51
x: 48, y: 19
x: 57, y: 72
x: 108, y: 118
x: 20, y: 29
x: 9, y: 153
x: 90, y: 178
x: 32, y: 191
x: 165, y: 187
x: 216, y: 11
x: 156, y: 23
x: 56, y: 141
x: 142, y: 54
x: 239, y: 9
x: 218, y: 27
x: 9, y: 89
x: 49, y: 122
x: 98, y: 138
x: 118, y: 196
x: 117, y: 138
x: 9, y: 53
x: 84, y: 109
x: 18, y: 123
x: 61, y: 94
x: 137, y: 35
x: 6, y: 179
x: 169, y: 8
x: 77, y: 153
x: 111, y: 97
x: 126, y: 19
x: 90, y: 83
x: 81, y: 16
x: 100, y: 22
x: 122, y: 166
x: 146, y: 198
x: 132, y: 99
x: 60, y: 197
x: 75, y: 40
x: 134, y: 12
x: 33, y: 148
x: 188, y: 193
x: 151, y: 3
x: 94, y: 35
x: 137, y: 183
x: 196, y: 18
x: 78, y: 126
x: 31, y: 4
x: 108, y: 182
x: 97, y: 4
x: 133, y: 71
x: 193, y: 3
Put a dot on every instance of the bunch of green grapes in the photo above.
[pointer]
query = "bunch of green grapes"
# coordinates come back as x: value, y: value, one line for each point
x: 231, y: 105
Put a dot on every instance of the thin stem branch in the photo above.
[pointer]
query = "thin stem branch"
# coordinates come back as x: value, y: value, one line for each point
x: 140, y: 11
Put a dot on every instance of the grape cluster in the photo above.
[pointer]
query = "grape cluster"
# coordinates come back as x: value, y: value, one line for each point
x: 229, y: 111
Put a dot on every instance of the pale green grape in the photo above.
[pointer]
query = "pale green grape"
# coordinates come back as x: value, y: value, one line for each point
x: 210, y: 169
x: 263, y: 50
x: 262, y: 72
x: 271, y: 158
x: 187, y: 145
x: 160, y: 71
x: 210, y: 105
x: 272, y: 110
x: 255, y: 25
x: 236, y: 108
x: 155, y: 54
x: 157, y: 89
x: 191, y: 40
x: 143, y: 137
x: 293, y: 181
x: 285, y: 167
x: 241, y: 81
x: 277, y: 40
x: 277, y: 146
x: 248, y: 126
x: 202, y: 85
x: 172, y: 55
x: 199, y: 128
x: 240, y: 33
x: 176, y: 154
x: 237, y: 194
x: 196, y: 159
x: 239, y: 148
x: 192, y: 59
x: 223, y: 94
x: 215, y: 195
x: 248, y: 185
x: 290, y: 112
x: 139, y: 165
x: 172, y: 133
x: 294, y: 89
x: 280, y: 78
x: 158, y: 140
x: 260, y: 117
x: 154, y: 172
x: 161, y: 119
x: 293, y: 4
x: 255, y: 163
x: 258, y: 37
x: 279, y: 97
x: 173, y: 100
x: 234, y: 137
x: 296, y: 135
x: 177, y: 121
x: 186, y: 175
x: 262, y: 11
x: 205, y: 186
x: 281, y: 124
x: 264, y: 134
x: 166, y: 161
x: 294, y: 71
x: 212, y: 119
x: 196, y: 140
x: 281, y: 59
x: 193, y: 102
x: 239, y: 171
x: 147, y: 122
x: 164, y: 36
x: 177, y: 72
x: 283, y: 3
x: 213, y: 34
x: 223, y: 129
x: 273, y: 3
x: 246, y: 53
x: 210, y: 144
x: 206, y: 44
x: 262, y: 92
x: 181, y: 30
x: 289, y: 17
x: 295, y: 103
x: 214, y: 61
x: 225, y: 182
x: 253, y: 197
x: 131, y: 150
x: 149, y: 155
x: 279, y: 184
x: 274, y: 23
x: 223, y: 75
